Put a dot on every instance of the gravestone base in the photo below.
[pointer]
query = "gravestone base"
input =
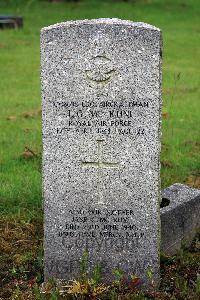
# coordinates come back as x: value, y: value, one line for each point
x: 180, y: 219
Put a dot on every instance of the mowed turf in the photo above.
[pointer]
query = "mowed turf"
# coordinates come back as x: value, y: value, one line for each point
x: 21, y: 145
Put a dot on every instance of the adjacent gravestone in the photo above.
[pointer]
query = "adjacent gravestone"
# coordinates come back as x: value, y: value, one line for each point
x: 11, y: 22
x: 180, y: 219
x: 101, y: 140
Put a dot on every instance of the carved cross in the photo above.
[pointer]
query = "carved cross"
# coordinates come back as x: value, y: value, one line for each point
x: 99, y: 164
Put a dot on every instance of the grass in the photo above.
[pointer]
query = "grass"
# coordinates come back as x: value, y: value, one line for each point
x: 20, y: 124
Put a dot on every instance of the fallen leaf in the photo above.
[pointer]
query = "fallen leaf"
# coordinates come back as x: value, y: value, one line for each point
x: 11, y: 118
x: 193, y: 181
x: 27, y: 115
x: 165, y: 115
x: 32, y: 113
x: 2, y: 45
x: 167, y: 164
x: 165, y: 147
x: 26, y: 130
x: 135, y: 282
x: 28, y: 153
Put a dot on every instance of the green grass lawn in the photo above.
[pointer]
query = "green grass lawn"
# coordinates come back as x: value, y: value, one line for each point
x: 20, y: 120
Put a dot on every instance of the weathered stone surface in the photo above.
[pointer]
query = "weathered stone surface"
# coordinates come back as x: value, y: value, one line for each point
x: 180, y: 219
x: 101, y: 138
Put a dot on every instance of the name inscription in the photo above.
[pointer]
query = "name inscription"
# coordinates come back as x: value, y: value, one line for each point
x: 105, y: 117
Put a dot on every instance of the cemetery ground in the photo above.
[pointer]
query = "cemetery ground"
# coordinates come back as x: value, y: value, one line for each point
x: 21, y: 221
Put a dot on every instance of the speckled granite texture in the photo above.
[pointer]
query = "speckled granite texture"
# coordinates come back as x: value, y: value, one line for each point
x: 101, y: 104
x: 180, y: 219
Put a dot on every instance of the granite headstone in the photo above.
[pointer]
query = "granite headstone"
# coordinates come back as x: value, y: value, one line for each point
x: 180, y: 219
x: 101, y: 103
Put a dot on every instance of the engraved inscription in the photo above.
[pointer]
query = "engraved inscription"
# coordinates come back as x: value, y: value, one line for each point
x: 97, y: 228
x: 104, y: 117
x: 100, y: 71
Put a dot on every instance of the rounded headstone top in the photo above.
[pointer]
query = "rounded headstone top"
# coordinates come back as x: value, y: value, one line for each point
x: 108, y: 21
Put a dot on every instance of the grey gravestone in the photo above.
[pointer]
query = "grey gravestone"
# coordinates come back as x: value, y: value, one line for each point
x: 180, y: 219
x: 11, y: 22
x: 101, y: 104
